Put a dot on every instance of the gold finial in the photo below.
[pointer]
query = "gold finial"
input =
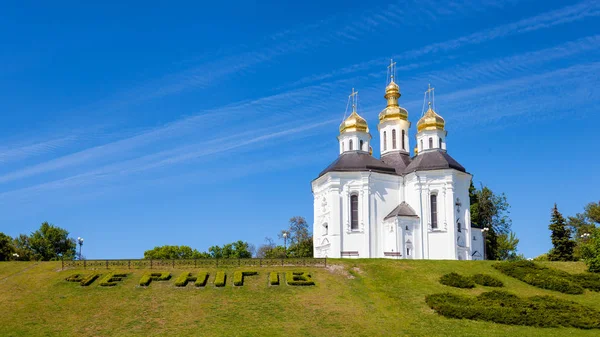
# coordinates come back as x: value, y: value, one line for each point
x: 430, y: 120
x: 354, y: 97
x: 392, y: 93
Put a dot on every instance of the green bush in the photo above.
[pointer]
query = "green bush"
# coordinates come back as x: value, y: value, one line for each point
x: 299, y: 278
x: 220, y: 279
x: 154, y: 276
x: 111, y: 279
x: 274, y: 278
x: 587, y: 280
x: 541, y: 277
x: 75, y: 278
x: 89, y: 279
x: 505, y: 308
x: 457, y: 281
x: 238, y: 277
x: 201, y: 279
x: 487, y: 280
x: 183, y: 279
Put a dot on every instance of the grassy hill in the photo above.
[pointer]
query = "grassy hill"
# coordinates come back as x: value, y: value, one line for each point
x: 351, y: 297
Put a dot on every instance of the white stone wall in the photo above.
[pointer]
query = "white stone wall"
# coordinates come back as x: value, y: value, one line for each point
x: 435, y: 135
x: 386, y: 143
x: 354, y: 136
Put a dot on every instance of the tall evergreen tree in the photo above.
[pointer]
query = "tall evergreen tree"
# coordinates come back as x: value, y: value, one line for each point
x: 561, y: 238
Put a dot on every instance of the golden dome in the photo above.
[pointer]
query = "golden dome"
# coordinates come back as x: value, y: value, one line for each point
x: 430, y: 121
x: 393, y: 111
x: 354, y: 123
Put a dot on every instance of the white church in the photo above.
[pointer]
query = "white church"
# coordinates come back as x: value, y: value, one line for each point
x: 395, y: 206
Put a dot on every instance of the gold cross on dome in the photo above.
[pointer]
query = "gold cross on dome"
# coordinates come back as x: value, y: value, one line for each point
x: 354, y: 97
x: 392, y: 69
x: 429, y: 94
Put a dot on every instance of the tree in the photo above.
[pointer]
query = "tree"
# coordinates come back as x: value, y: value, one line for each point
x: 590, y: 251
x: 23, y: 248
x: 490, y: 210
x: 270, y: 251
x: 561, y: 238
x: 51, y: 243
x: 507, y: 246
x: 234, y: 250
x: 174, y: 252
x: 299, y: 238
x: 7, y: 248
x: 582, y: 225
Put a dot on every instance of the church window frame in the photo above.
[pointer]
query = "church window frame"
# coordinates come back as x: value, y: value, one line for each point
x: 384, y: 140
x: 421, y: 145
x: 354, y: 207
x: 350, y: 145
x: 403, y: 142
x: 441, y: 143
x: 361, y: 144
x: 433, y: 210
x: 431, y: 142
x: 325, y: 229
x: 394, y: 139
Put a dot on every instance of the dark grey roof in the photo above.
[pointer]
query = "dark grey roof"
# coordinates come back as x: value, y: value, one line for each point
x: 399, y: 160
x: 403, y: 209
x: 433, y: 160
x: 358, y: 161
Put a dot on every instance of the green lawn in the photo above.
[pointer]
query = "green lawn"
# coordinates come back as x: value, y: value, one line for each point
x: 357, y: 297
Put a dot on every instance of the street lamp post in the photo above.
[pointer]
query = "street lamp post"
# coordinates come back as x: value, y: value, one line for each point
x: 80, y: 242
x: 285, y: 235
x: 484, y: 231
x: 585, y: 236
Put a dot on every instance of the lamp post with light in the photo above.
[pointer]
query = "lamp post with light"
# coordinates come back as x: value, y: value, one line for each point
x: 80, y: 242
x: 484, y: 230
x: 285, y: 235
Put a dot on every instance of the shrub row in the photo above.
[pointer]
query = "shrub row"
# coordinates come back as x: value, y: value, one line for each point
x: 154, y: 276
x: 220, y: 279
x: 238, y: 277
x: 457, y: 281
x: 201, y: 279
x: 111, y: 279
x: 548, y: 278
x: 487, y: 280
x: 75, y: 278
x: 274, y: 278
x: 299, y: 279
x: 86, y: 281
x: 505, y: 308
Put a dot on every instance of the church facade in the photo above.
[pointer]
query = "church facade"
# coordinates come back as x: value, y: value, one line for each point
x: 397, y: 206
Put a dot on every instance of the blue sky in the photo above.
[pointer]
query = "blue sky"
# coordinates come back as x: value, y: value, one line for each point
x: 135, y: 125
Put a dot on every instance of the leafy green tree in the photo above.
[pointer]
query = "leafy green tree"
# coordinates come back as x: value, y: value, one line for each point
x: 23, y: 248
x: 490, y: 210
x: 234, y: 250
x: 590, y: 251
x: 50, y: 243
x: 507, y: 246
x: 7, y: 248
x: 174, y: 252
x: 300, y: 240
x: 269, y: 250
x: 561, y: 238
x: 583, y: 224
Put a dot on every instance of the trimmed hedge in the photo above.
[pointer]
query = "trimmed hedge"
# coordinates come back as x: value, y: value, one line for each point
x: 154, y: 276
x: 505, y: 308
x: 220, y: 279
x: 111, y: 279
x: 487, y: 280
x: 89, y: 279
x: 298, y: 278
x: 274, y: 278
x: 238, y: 277
x: 75, y: 278
x: 587, y: 280
x: 541, y: 277
x: 201, y: 279
x: 183, y: 279
x: 457, y: 281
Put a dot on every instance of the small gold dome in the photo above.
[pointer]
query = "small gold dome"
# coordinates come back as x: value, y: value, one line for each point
x: 430, y: 121
x: 393, y: 111
x: 354, y: 123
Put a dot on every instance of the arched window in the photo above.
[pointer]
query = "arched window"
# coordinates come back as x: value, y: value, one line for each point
x: 403, y: 135
x: 433, y: 207
x: 440, y: 143
x: 350, y: 145
x: 394, y: 139
x: 458, y: 226
x: 384, y: 141
x: 421, y: 145
x: 354, y: 212
x: 361, y: 145
x: 407, y: 251
x: 430, y: 143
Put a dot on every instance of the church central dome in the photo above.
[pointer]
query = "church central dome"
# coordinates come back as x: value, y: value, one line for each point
x: 392, y: 111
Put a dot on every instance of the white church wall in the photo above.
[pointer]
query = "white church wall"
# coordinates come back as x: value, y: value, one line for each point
x: 477, y: 244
